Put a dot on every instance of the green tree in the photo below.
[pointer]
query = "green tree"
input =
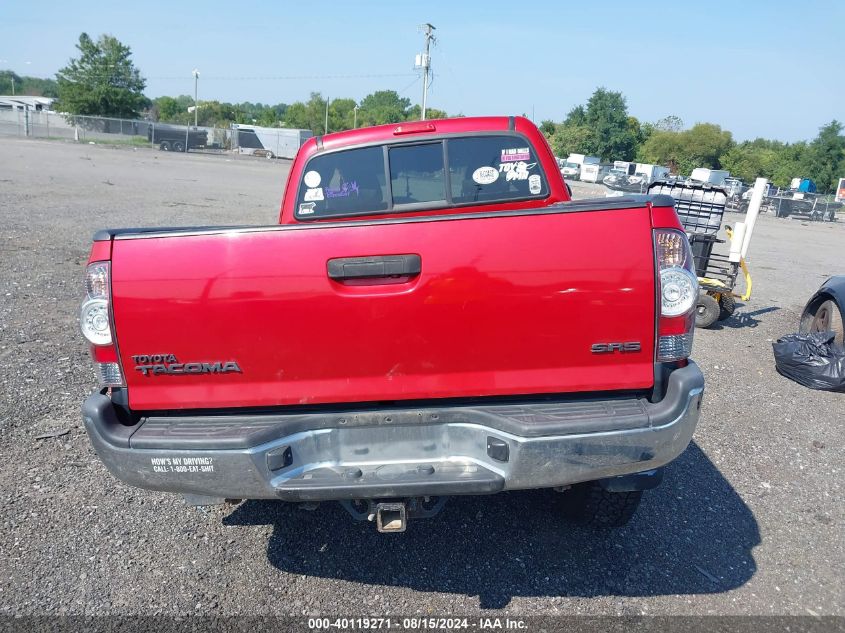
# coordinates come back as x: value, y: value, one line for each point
x: 669, y: 123
x: 576, y: 116
x: 637, y: 131
x: 102, y: 81
x: 341, y: 114
x: 790, y: 163
x: 171, y: 109
x: 824, y: 160
x: 309, y: 115
x: 759, y: 158
x: 383, y: 106
x: 415, y: 111
x: 569, y: 139
x: 12, y: 83
x: 272, y: 116
x: 700, y: 146
x: 548, y: 128
x: 706, y: 142
x: 610, y: 132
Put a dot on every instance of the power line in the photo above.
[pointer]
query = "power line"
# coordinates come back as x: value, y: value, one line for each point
x: 255, y: 77
x: 410, y: 85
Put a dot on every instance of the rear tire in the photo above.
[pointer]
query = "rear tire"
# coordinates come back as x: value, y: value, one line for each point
x: 164, y: 146
x: 727, y: 306
x: 706, y: 310
x: 178, y: 146
x: 825, y: 317
x: 590, y: 504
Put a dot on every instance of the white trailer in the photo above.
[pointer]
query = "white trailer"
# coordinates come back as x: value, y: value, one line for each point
x: 271, y: 142
x: 710, y: 176
x: 652, y: 172
x: 594, y: 172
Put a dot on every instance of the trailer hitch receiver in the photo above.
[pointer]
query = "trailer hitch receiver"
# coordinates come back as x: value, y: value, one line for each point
x: 391, y: 517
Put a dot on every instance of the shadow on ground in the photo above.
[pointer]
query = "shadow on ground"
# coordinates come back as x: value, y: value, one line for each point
x: 743, y: 319
x: 691, y: 535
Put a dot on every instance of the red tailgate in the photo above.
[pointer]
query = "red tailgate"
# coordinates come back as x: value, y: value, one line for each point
x: 501, y: 306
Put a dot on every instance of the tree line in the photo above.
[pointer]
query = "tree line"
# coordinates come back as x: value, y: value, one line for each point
x: 13, y: 84
x: 104, y: 81
x: 382, y: 106
x: 602, y: 127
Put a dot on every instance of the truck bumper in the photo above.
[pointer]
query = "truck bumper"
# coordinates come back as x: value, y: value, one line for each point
x: 401, y: 452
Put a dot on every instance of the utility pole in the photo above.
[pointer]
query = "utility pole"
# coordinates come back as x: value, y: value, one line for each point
x: 326, y: 128
x: 425, y: 63
x: 196, y: 74
x: 355, y: 117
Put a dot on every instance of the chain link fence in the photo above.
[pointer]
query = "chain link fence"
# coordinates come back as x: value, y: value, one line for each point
x: 240, y: 139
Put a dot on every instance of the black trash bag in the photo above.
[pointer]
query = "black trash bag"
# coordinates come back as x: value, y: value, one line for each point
x: 812, y: 360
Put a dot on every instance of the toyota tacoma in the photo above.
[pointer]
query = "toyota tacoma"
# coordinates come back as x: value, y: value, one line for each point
x: 433, y: 315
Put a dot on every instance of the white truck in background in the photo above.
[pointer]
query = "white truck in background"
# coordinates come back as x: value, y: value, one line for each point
x: 633, y: 177
x: 574, y: 163
x: 710, y: 176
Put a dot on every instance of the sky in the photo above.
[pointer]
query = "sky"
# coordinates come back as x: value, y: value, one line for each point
x: 759, y: 69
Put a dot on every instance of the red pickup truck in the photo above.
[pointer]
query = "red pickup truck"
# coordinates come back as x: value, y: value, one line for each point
x: 432, y: 316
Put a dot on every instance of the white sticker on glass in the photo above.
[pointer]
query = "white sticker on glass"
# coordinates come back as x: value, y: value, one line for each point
x: 516, y: 171
x: 312, y: 179
x: 306, y: 208
x: 534, y: 184
x: 514, y: 154
x: 485, y: 175
x: 313, y: 194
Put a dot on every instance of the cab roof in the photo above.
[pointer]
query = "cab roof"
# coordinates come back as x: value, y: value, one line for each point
x: 408, y: 129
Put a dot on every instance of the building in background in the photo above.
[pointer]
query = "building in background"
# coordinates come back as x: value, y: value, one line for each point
x: 32, y: 104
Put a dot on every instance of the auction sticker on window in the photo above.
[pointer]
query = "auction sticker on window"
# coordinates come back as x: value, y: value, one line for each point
x: 514, y: 154
x: 485, y: 175
x: 534, y: 184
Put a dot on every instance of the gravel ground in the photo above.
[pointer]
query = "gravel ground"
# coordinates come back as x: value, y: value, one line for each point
x: 749, y: 519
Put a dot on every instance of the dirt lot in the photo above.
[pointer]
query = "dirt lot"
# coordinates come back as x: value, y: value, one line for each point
x: 748, y: 521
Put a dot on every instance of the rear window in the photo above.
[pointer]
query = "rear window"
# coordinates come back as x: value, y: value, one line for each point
x: 417, y: 174
x: 403, y: 177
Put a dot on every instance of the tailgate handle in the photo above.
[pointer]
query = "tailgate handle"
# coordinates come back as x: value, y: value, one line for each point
x: 342, y: 268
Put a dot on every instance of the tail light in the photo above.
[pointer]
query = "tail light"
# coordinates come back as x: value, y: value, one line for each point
x: 95, y: 320
x: 678, y: 294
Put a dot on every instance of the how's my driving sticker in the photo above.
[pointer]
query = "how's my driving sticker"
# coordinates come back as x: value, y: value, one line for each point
x: 182, y: 464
